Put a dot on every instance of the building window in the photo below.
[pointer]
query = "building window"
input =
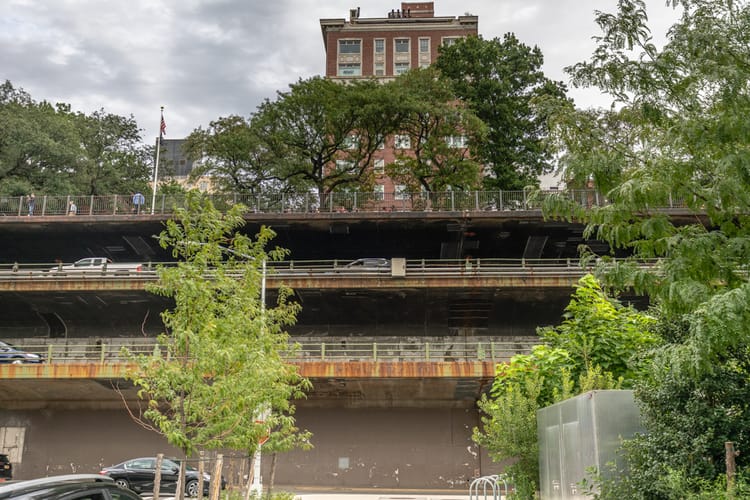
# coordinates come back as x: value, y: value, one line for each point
x: 350, y: 69
x: 379, y: 191
x: 379, y: 69
x: 400, y: 68
x: 449, y: 40
x: 344, y: 165
x: 424, y: 45
x: 349, y: 46
x: 456, y: 141
x: 350, y: 142
x: 379, y: 166
x: 402, y: 142
x: 400, y: 192
x: 380, y: 46
x: 401, y: 45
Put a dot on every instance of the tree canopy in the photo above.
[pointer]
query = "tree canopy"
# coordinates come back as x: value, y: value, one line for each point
x: 442, y: 134
x: 50, y: 149
x: 501, y: 80
x: 677, y: 134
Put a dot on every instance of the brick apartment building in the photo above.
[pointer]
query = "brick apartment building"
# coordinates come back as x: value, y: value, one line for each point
x: 385, y: 47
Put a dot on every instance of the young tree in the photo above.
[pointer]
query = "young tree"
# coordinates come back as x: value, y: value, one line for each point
x: 676, y: 134
x: 443, y: 133
x: 500, y: 80
x: 221, y: 363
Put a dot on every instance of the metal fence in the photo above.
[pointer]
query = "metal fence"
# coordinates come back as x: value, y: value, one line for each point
x: 448, y: 349
x: 307, y: 202
x: 325, y: 269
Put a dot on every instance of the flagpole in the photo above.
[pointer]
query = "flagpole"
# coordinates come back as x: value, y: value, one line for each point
x: 156, y: 166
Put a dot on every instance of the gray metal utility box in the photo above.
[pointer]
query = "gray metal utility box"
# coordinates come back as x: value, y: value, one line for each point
x: 579, y: 433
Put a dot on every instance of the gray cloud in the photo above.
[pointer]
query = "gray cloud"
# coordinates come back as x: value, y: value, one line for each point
x: 203, y: 59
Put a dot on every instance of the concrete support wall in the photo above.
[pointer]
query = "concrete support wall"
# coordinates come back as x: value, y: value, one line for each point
x: 367, y: 448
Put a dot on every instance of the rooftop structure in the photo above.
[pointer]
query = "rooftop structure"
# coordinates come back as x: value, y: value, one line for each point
x: 387, y: 46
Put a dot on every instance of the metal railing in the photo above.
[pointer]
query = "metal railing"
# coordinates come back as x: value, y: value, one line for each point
x: 307, y: 202
x: 324, y: 269
x: 446, y: 349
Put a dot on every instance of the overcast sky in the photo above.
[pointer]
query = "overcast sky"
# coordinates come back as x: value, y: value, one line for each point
x: 203, y: 59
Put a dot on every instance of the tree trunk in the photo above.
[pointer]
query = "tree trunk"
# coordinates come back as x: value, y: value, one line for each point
x: 273, y: 473
x: 157, y: 475
x: 179, y: 493
x: 215, y: 485
x: 249, y: 484
x: 201, y: 470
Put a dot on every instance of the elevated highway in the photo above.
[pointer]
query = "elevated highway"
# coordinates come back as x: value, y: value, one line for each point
x: 377, y: 409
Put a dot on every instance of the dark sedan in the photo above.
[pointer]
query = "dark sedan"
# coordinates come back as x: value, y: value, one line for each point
x: 9, y: 354
x: 138, y: 474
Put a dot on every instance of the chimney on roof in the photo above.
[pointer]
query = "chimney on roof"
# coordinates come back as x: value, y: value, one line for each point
x: 353, y: 14
x: 418, y: 9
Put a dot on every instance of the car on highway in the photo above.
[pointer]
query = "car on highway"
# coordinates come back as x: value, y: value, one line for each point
x: 98, y: 266
x: 67, y: 487
x: 12, y: 355
x: 138, y: 474
x: 6, y: 468
x: 366, y: 265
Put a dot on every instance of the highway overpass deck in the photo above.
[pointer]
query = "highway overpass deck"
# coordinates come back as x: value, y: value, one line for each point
x: 345, y: 372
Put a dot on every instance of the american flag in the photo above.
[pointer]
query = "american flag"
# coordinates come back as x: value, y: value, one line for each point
x: 163, y: 127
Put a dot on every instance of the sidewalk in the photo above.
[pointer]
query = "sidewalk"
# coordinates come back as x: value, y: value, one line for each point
x: 370, y: 494
x: 378, y: 496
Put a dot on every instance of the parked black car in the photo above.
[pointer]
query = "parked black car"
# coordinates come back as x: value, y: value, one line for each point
x: 9, y: 354
x: 72, y: 486
x: 138, y: 475
x: 6, y: 468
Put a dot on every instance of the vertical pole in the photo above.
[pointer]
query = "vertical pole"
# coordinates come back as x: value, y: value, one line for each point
x: 257, y: 486
x: 156, y: 164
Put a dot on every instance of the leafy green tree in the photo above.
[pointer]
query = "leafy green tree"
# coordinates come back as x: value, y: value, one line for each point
x: 221, y: 363
x: 114, y: 160
x: 37, y: 143
x: 232, y: 154
x: 597, y: 346
x: 50, y: 149
x: 442, y: 133
x: 325, y: 134
x: 500, y: 80
x: 676, y: 134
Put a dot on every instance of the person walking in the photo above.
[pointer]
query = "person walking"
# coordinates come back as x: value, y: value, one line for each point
x: 31, y: 200
x: 138, y: 201
x: 72, y: 208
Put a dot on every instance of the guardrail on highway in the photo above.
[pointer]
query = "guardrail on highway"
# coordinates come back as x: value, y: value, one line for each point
x: 449, y: 201
x: 341, y: 349
x: 329, y: 269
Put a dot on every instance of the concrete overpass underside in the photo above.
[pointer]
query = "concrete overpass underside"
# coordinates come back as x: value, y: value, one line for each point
x: 325, y: 312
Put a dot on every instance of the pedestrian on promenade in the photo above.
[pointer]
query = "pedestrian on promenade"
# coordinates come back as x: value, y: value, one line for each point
x: 138, y: 201
x: 31, y: 200
x: 72, y: 208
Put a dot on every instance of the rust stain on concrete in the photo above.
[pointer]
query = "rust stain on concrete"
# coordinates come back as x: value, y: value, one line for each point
x: 314, y: 369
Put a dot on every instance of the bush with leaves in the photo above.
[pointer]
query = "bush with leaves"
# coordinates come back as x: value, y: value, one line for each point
x: 597, y: 346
